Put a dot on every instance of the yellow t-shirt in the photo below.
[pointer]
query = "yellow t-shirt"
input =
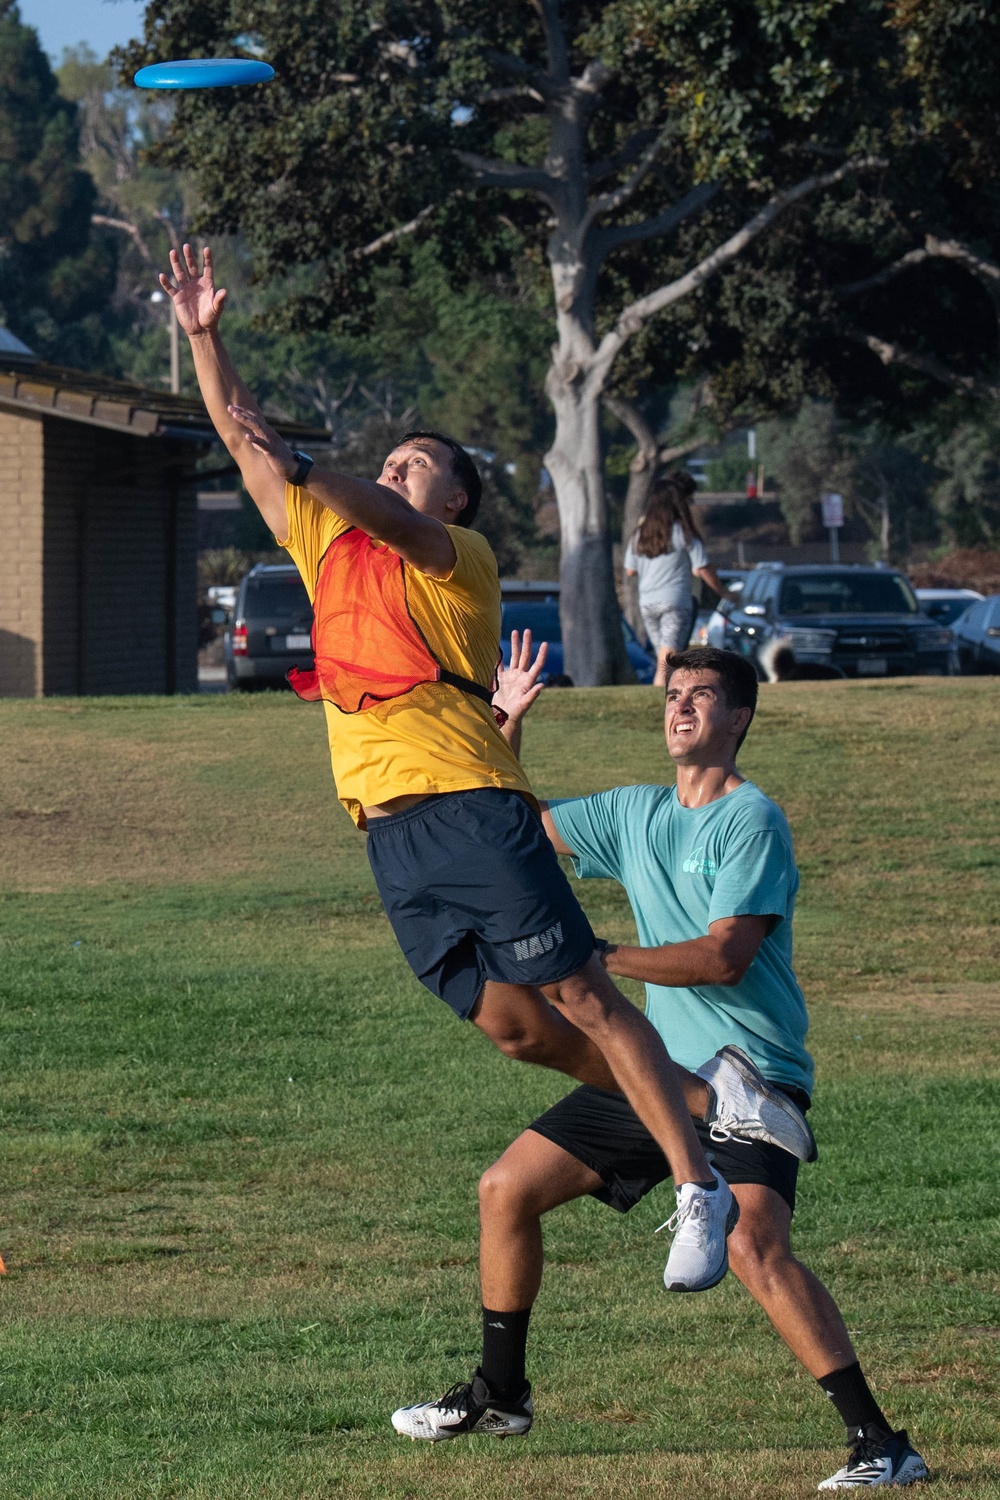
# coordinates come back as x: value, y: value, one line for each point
x: 434, y: 738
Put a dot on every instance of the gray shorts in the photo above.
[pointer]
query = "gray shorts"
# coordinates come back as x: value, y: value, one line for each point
x: 668, y: 629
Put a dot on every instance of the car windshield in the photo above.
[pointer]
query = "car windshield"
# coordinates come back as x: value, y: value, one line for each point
x: 541, y: 619
x: 847, y: 594
x: 280, y: 597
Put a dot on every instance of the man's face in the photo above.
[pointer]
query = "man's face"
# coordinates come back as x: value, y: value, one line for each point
x: 421, y: 472
x: 699, y: 725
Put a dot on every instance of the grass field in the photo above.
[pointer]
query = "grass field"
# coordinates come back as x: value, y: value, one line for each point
x: 240, y: 1145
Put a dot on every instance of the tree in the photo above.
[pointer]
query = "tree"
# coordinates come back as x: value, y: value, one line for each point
x: 635, y: 151
x: 53, y: 277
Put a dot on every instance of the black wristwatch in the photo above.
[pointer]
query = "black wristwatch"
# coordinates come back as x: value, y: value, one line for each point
x: 302, y: 472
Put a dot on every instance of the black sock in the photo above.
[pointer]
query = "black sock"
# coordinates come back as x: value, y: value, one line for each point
x: 861, y: 1413
x: 505, y: 1337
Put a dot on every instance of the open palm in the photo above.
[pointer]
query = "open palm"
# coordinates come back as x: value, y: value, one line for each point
x: 197, y: 304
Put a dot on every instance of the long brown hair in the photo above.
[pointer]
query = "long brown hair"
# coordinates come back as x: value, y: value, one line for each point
x: 668, y: 506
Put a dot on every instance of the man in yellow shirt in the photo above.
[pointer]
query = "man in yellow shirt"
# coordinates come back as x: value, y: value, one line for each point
x: 407, y: 606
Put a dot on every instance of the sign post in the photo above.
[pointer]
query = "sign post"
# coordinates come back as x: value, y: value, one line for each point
x: 833, y: 519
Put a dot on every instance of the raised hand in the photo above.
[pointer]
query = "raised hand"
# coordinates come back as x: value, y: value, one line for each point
x: 264, y: 440
x: 518, y: 685
x: 197, y: 305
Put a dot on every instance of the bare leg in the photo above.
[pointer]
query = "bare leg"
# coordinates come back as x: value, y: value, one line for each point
x: 797, y: 1303
x: 639, y: 1061
x: 533, y: 1176
x: 660, y: 675
x: 523, y: 1025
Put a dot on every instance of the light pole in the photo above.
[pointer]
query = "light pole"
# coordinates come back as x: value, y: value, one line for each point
x: 175, y: 343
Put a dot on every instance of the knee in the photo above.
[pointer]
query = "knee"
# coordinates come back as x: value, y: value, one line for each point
x: 756, y: 1258
x: 523, y: 1045
x: 501, y: 1195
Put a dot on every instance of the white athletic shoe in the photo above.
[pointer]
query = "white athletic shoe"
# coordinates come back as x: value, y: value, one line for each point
x: 888, y: 1460
x: 698, y: 1257
x: 467, y: 1407
x: 749, y: 1108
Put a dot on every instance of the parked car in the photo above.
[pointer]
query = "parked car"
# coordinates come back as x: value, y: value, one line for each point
x: 946, y: 605
x: 708, y: 623
x: 864, y: 620
x: 977, y: 636
x: 539, y: 613
x: 271, y: 628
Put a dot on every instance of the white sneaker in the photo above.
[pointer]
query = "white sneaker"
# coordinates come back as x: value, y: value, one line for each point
x: 749, y: 1108
x: 467, y: 1407
x: 888, y: 1460
x: 698, y: 1257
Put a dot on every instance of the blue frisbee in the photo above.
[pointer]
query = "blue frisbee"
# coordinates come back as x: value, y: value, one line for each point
x: 204, y: 73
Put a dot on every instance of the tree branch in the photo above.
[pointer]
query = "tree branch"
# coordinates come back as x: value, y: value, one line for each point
x: 555, y: 39
x: 606, y: 203
x: 392, y: 235
x: 629, y: 153
x: 516, y: 67
x: 978, y: 265
x: 987, y: 270
x: 880, y: 278
x: 501, y: 96
x: 926, y: 364
x: 663, y: 223
x: 488, y: 172
x: 126, y: 228
x: 633, y: 317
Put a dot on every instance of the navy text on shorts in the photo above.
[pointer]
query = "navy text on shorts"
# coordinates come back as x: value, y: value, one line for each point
x: 474, y: 891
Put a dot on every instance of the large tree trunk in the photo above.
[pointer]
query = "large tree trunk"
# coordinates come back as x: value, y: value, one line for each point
x: 641, y: 473
x: 593, y: 645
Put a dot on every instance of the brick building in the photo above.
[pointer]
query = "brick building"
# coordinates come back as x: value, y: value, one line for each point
x: 98, y: 534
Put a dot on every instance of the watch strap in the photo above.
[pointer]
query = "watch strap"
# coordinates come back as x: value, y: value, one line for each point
x: 302, y: 472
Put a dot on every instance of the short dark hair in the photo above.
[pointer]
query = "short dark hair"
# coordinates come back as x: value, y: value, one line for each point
x: 737, y: 675
x: 462, y: 467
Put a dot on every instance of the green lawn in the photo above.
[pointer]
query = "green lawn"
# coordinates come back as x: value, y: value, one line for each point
x: 241, y: 1145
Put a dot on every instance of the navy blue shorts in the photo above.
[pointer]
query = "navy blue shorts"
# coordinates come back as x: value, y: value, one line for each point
x: 474, y: 891
x: 603, y: 1132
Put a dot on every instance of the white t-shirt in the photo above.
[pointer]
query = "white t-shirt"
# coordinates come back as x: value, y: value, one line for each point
x: 665, y: 581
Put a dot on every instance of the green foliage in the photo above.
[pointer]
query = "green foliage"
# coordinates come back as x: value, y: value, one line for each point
x: 968, y: 491
x: 883, y: 479
x: 53, y: 277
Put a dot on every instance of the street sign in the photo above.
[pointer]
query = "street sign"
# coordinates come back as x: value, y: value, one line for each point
x: 833, y: 509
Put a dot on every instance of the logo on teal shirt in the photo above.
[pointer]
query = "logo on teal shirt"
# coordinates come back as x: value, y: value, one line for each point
x: 697, y: 863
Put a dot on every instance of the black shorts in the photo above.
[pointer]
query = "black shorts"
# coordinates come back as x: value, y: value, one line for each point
x: 474, y: 891
x: 602, y: 1130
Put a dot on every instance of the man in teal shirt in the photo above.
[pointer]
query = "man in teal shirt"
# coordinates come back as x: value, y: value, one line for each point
x: 710, y: 873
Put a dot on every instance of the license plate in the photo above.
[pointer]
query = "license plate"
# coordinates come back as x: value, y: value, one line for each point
x: 303, y: 643
x: 872, y: 666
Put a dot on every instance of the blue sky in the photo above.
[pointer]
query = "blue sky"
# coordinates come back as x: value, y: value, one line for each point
x: 103, y: 24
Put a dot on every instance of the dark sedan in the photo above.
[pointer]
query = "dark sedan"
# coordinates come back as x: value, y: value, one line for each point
x: 977, y: 636
x: 541, y: 617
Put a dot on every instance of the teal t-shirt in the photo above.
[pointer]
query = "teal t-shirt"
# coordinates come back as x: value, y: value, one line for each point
x: 684, y: 868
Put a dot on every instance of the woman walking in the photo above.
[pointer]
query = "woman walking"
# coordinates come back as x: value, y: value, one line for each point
x: 666, y: 550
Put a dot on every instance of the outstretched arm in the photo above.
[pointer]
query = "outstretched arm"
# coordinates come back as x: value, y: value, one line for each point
x: 198, y: 309
x: 374, y: 508
x: 711, y: 577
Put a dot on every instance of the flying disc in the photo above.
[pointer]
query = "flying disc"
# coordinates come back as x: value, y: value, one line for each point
x: 204, y: 73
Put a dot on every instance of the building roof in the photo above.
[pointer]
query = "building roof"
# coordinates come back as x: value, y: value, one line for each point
x: 116, y: 404
x: 11, y: 347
